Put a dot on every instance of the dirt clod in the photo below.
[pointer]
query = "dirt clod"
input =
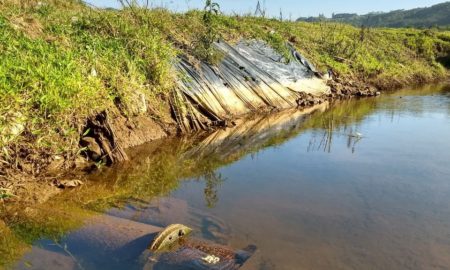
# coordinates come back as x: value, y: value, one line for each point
x: 68, y: 183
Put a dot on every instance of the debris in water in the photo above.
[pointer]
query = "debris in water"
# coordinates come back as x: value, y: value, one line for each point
x: 356, y: 135
x: 169, y: 236
x: 198, y: 254
x: 68, y: 183
x: 211, y: 259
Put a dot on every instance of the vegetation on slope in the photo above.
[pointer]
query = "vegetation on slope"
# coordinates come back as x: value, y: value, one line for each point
x: 434, y: 16
x: 63, y: 61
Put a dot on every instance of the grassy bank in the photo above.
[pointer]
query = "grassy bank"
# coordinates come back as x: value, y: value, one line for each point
x: 63, y: 61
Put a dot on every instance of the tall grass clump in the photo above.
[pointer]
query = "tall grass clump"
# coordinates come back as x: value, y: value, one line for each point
x: 44, y: 89
x: 204, y: 43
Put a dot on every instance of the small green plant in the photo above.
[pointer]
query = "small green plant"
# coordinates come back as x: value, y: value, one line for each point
x: 211, y: 11
x: 5, y: 193
x: 204, y: 47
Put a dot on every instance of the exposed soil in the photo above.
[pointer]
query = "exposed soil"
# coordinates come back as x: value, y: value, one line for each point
x: 25, y: 187
x: 340, y: 89
x: 37, y: 176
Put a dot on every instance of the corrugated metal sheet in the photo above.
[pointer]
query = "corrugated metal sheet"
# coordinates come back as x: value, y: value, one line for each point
x: 252, y: 77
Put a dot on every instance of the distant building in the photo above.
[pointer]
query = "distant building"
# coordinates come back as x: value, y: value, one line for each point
x: 320, y: 18
x: 343, y: 16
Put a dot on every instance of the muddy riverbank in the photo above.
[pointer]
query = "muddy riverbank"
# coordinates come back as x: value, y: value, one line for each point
x: 36, y: 176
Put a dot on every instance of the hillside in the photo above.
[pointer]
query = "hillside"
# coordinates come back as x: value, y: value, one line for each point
x: 65, y: 64
x: 434, y: 16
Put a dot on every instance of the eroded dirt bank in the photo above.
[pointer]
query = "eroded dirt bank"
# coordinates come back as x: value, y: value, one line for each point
x: 251, y: 79
x: 107, y: 136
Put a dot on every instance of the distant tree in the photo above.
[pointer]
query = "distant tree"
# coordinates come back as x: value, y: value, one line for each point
x: 437, y: 15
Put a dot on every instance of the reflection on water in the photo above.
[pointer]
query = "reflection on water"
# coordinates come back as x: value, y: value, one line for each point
x: 364, y: 184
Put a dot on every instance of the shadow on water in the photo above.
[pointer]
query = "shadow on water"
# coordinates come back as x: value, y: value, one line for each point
x: 157, y: 169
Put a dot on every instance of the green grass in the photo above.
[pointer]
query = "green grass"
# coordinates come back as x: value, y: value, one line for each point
x: 63, y: 62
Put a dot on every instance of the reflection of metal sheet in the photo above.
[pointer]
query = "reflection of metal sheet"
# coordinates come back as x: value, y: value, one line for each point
x: 251, y: 133
x: 252, y: 77
x: 196, y: 156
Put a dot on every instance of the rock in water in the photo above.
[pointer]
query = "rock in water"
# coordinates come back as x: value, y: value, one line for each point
x: 169, y: 236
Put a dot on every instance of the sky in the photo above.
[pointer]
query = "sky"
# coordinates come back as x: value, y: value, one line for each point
x: 289, y: 8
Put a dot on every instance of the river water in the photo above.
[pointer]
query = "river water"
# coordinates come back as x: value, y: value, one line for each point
x: 363, y: 184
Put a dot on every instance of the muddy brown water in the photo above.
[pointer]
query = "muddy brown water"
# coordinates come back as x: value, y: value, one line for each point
x: 364, y: 184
